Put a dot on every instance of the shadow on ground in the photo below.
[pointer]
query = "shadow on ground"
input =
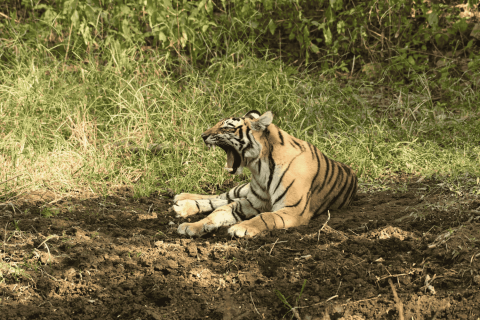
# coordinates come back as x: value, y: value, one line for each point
x: 120, y: 258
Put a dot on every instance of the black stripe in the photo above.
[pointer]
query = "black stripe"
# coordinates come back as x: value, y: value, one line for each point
x: 228, y: 197
x: 251, y: 205
x: 254, y: 179
x: 324, y: 180
x: 198, y: 207
x: 313, y: 181
x: 283, y: 173
x: 240, y: 135
x: 284, y: 193
x: 256, y: 195
x: 296, y: 204
x: 240, y: 211
x: 345, y: 185
x: 266, y: 132
x: 326, y: 205
x: 332, y: 176
x: 280, y: 136
x: 280, y: 218
x: 266, y: 225
x: 259, y: 165
x: 350, y: 193
x: 298, y: 144
x: 313, y: 150
x: 248, y: 143
x: 240, y: 189
x: 271, y: 165
x: 211, y: 204
x: 235, y: 190
x: 235, y: 215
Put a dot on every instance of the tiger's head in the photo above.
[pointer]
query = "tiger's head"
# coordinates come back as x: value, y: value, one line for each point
x: 238, y: 137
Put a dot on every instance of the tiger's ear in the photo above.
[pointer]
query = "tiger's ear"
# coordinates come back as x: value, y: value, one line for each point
x: 254, y: 114
x: 262, y: 122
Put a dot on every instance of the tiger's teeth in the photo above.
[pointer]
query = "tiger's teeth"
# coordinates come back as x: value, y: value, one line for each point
x: 228, y: 169
x: 213, y: 147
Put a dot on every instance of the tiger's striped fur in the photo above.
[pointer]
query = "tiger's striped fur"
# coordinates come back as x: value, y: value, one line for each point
x: 292, y: 181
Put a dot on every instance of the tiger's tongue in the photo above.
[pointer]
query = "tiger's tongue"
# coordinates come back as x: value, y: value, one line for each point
x: 230, y: 159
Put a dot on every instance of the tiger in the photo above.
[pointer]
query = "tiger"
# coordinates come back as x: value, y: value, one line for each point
x: 291, y: 181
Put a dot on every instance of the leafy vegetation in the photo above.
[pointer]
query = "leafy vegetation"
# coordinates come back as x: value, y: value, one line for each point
x: 336, y: 34
x: 88, y: 87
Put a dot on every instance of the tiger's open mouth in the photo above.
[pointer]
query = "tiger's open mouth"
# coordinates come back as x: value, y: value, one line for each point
x: 233, y: 158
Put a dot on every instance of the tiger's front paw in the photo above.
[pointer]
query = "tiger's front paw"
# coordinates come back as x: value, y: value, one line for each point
x: 243, y: 230
x: 191, y: 229
x: 185, y: 208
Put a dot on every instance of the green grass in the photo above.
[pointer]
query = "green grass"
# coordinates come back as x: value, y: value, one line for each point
x: 59, y: 122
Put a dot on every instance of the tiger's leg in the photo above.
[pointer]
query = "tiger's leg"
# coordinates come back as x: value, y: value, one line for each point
x: 232, y: 213
x: 281, y: 219
x: 186, y: 208
x: 187, y: 204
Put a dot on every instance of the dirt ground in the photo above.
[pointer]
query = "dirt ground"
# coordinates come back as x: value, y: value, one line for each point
x: 121, y: 258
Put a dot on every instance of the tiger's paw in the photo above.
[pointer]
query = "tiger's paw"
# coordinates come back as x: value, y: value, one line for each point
x: 243, y: 230
x: 191, y: 229
x: 185, y: 208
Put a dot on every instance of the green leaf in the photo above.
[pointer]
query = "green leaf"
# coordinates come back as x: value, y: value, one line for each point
x: 167, y: 4
x: 314, y: 48
x: 292, y: 35
x: 411, y: 60
x: 330, y: 15
x: 462, y: 25
x: 328, y: 35
x: 306, y: 34
x: 210, y: 6
x: 336, y: 4
x: 470, y: 44
x: 75, y: 17
x: 341, y: 26
x: 268, y: 4
x: 162, y: 36
x: 432, y: 19
x: 204, y: 28
x: 272, y: 26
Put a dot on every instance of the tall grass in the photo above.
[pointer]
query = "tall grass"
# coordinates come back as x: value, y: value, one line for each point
x: 61, y: 124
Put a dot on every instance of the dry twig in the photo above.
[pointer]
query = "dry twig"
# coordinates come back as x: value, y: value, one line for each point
x: 397, y: 300
x: 254, y: 303
x: 328, y: 219
x: 270, y: 253
x: 11, y: 178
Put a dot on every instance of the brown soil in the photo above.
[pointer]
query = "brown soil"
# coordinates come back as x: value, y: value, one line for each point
x: 121, y: 258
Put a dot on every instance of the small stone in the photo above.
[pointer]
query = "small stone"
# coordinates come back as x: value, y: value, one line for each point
x: 171, y: 223
x: 172, y: 264
x: 70, y: 273
x: 192, y: 249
